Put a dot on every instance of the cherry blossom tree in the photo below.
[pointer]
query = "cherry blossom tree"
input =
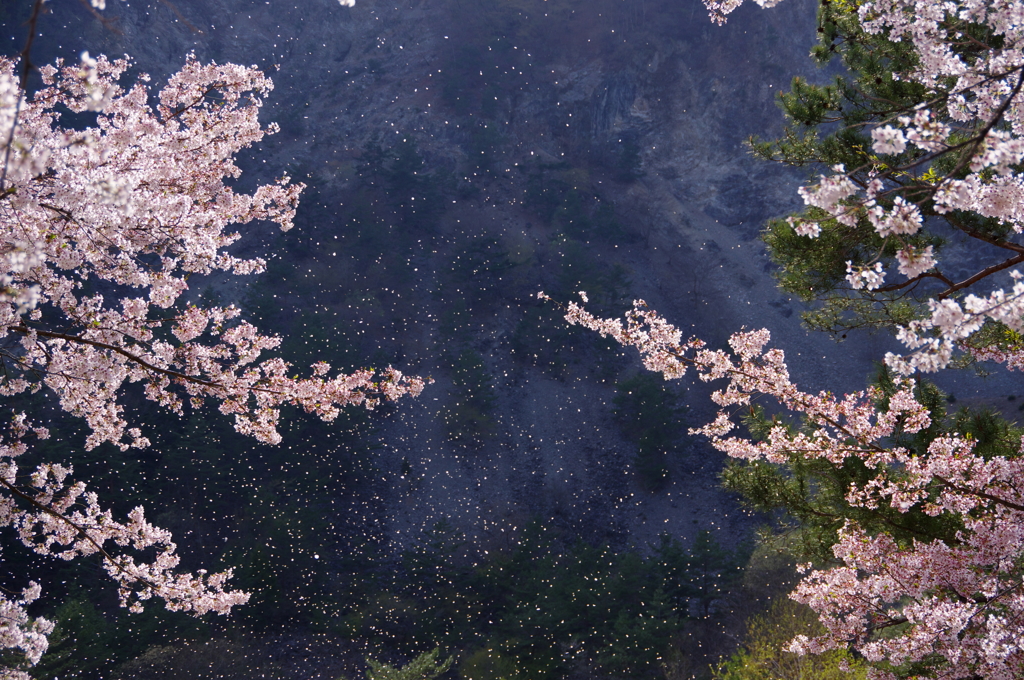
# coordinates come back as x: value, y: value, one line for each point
x: 950, y: 606
x: 102, y: 230
x: 949, y: 603
x: 919, y: 147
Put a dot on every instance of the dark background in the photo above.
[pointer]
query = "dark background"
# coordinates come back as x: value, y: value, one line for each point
x: 540, y: 511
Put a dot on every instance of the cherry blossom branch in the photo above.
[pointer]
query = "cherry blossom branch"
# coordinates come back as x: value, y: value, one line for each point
x: 26, y: 68
x: 982, y: 136
x: 1019, y: 507
x: 24, y: 330
x: 928, y: 587
x: 951, y: 286
x: 986, y: 272
x: 66, y: 522
x: 81, y: 531
x: 974, y: 233
x: 892, y: 287
x: 19, y: 631
x: 143, y: 201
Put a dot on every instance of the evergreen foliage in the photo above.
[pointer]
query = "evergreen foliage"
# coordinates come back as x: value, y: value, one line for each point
x: 810, y: 496
x: 423, y: 667
x: 829, y: 125
x: 764, y: 654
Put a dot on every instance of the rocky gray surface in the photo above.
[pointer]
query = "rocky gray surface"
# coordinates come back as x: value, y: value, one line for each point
x: 686, y: 92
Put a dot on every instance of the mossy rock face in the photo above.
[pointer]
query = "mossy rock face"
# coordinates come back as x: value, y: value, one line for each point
x: 650, y: 414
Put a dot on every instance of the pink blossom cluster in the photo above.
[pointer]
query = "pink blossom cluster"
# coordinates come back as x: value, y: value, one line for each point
x: 973, y: 106
x: 958, y: 605
x: 932, y: 340
x: 140, y: 201
x: 134, y: 207
x: 1012, y: 358
x: 19, y: 631
x: 55, y: 517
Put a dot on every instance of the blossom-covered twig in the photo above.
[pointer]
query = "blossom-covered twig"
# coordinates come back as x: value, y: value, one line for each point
x: 956, y: 605
x: 965, y: 144
x: 140, y: 200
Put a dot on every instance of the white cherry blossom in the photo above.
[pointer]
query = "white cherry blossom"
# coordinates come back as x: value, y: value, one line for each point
x: 956, y: 604
x: 141, y: 203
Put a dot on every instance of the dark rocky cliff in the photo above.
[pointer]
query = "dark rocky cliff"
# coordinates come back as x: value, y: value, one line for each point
x: 669, y: 87
x: 600, y: 146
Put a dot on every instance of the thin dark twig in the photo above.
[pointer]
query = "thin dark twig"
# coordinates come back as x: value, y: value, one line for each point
x: 191, y: 27
x: 888, y: 288
x: 988, y: 271
x: 26, y: 69
x: 24, y: 330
